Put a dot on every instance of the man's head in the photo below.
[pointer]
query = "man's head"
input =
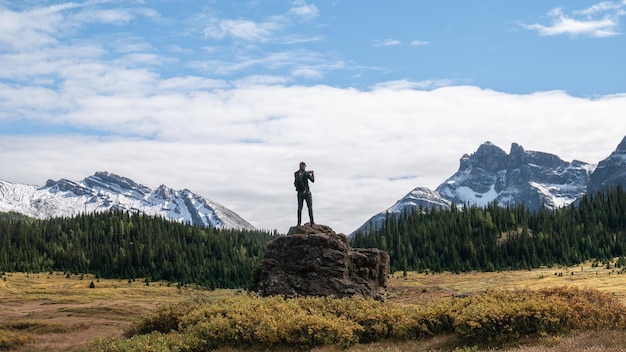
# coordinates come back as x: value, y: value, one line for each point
x: 302, y: 165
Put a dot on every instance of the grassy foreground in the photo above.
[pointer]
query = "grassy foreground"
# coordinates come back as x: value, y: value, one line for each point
x: 555, y: 309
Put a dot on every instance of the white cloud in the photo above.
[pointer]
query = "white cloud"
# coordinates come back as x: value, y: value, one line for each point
x: 407, y: 84
x: 303, y: 10
x: 308, y: 73
x: 301, y: 63
x: 386, y: 42
x: 190, y: 84
x: 20, y: 30
x: 260, y: 31
x: 114, y: 16
x: 241, y: 29
x: 419, y: 43
x: 600, y: 20
x: 604, y: 6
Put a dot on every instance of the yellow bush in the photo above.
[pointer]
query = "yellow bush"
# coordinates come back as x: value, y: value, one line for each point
x: 151, y: 342
x: 246, y: 320
x: 266, y: 321
x: 505, y: 315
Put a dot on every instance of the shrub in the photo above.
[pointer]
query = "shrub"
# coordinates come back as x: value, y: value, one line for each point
x: 248, y: 320
x: 10, y: 340
x: 506, y: 315
x: 165, y: 319
x: 151, y: 342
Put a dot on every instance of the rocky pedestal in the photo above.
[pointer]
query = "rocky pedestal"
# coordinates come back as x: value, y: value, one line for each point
x: 316, y: 261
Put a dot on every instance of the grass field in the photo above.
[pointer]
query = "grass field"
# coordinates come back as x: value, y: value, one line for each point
x: 79, y: 313
x: 51, y: 312
x: 416, y: 288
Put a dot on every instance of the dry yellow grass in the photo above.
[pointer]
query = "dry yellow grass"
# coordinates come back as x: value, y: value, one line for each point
x: 415, y: 287
x: 78, y: 313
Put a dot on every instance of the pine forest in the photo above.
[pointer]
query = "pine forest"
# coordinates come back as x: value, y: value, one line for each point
x: 128, y: 246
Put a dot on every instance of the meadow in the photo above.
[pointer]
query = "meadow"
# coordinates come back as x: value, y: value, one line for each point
x: 57, y: 312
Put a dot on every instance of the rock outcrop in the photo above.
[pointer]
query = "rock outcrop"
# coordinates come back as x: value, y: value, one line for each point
x: 313, y: 260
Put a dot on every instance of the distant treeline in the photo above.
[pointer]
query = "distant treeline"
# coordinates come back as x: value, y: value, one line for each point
x: 501, y: 238
x: 122, y: 245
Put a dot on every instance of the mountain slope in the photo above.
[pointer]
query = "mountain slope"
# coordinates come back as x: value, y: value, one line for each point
x: 610, y: 171
x: 104, y: 191
x: 420, y: 197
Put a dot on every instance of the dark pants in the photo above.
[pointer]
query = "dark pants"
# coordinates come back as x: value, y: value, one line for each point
x: 302, y: 196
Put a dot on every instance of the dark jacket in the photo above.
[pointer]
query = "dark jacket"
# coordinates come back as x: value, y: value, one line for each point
x: 301, y: 180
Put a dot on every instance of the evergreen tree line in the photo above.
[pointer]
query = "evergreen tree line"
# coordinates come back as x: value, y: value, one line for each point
x: 124, y: 245
x: 501, y: 238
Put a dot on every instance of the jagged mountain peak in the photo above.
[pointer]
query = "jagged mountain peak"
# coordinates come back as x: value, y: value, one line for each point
x: 104, y: 191
x: 164, y: 192
x: 488, y: 147
x: 488, y: 156
x: 116, y: 183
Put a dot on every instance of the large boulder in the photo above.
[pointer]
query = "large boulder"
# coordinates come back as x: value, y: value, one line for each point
x: 313, y: 260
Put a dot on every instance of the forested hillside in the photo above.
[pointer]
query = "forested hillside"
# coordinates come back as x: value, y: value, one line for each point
x: 122, y: 245
x: 500, y: 238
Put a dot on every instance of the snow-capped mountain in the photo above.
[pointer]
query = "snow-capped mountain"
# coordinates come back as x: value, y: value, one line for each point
x: 529, y: 177
x: 104, y: 191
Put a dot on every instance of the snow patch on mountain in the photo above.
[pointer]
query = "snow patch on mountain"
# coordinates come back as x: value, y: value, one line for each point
x: 476, y: 198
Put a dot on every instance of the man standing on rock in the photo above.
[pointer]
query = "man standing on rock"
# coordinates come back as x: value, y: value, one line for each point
x: 301, y: 182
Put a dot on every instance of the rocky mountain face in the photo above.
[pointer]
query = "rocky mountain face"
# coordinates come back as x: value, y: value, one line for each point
x: 313, y: 260
x: 610, y: 171
x: 529, y: 177
x: 104, y: 191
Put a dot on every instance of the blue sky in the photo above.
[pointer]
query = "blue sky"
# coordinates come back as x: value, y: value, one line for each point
x: 226, y: 97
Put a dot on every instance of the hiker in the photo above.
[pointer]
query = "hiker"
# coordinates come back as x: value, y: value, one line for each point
x: 301, y: 182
